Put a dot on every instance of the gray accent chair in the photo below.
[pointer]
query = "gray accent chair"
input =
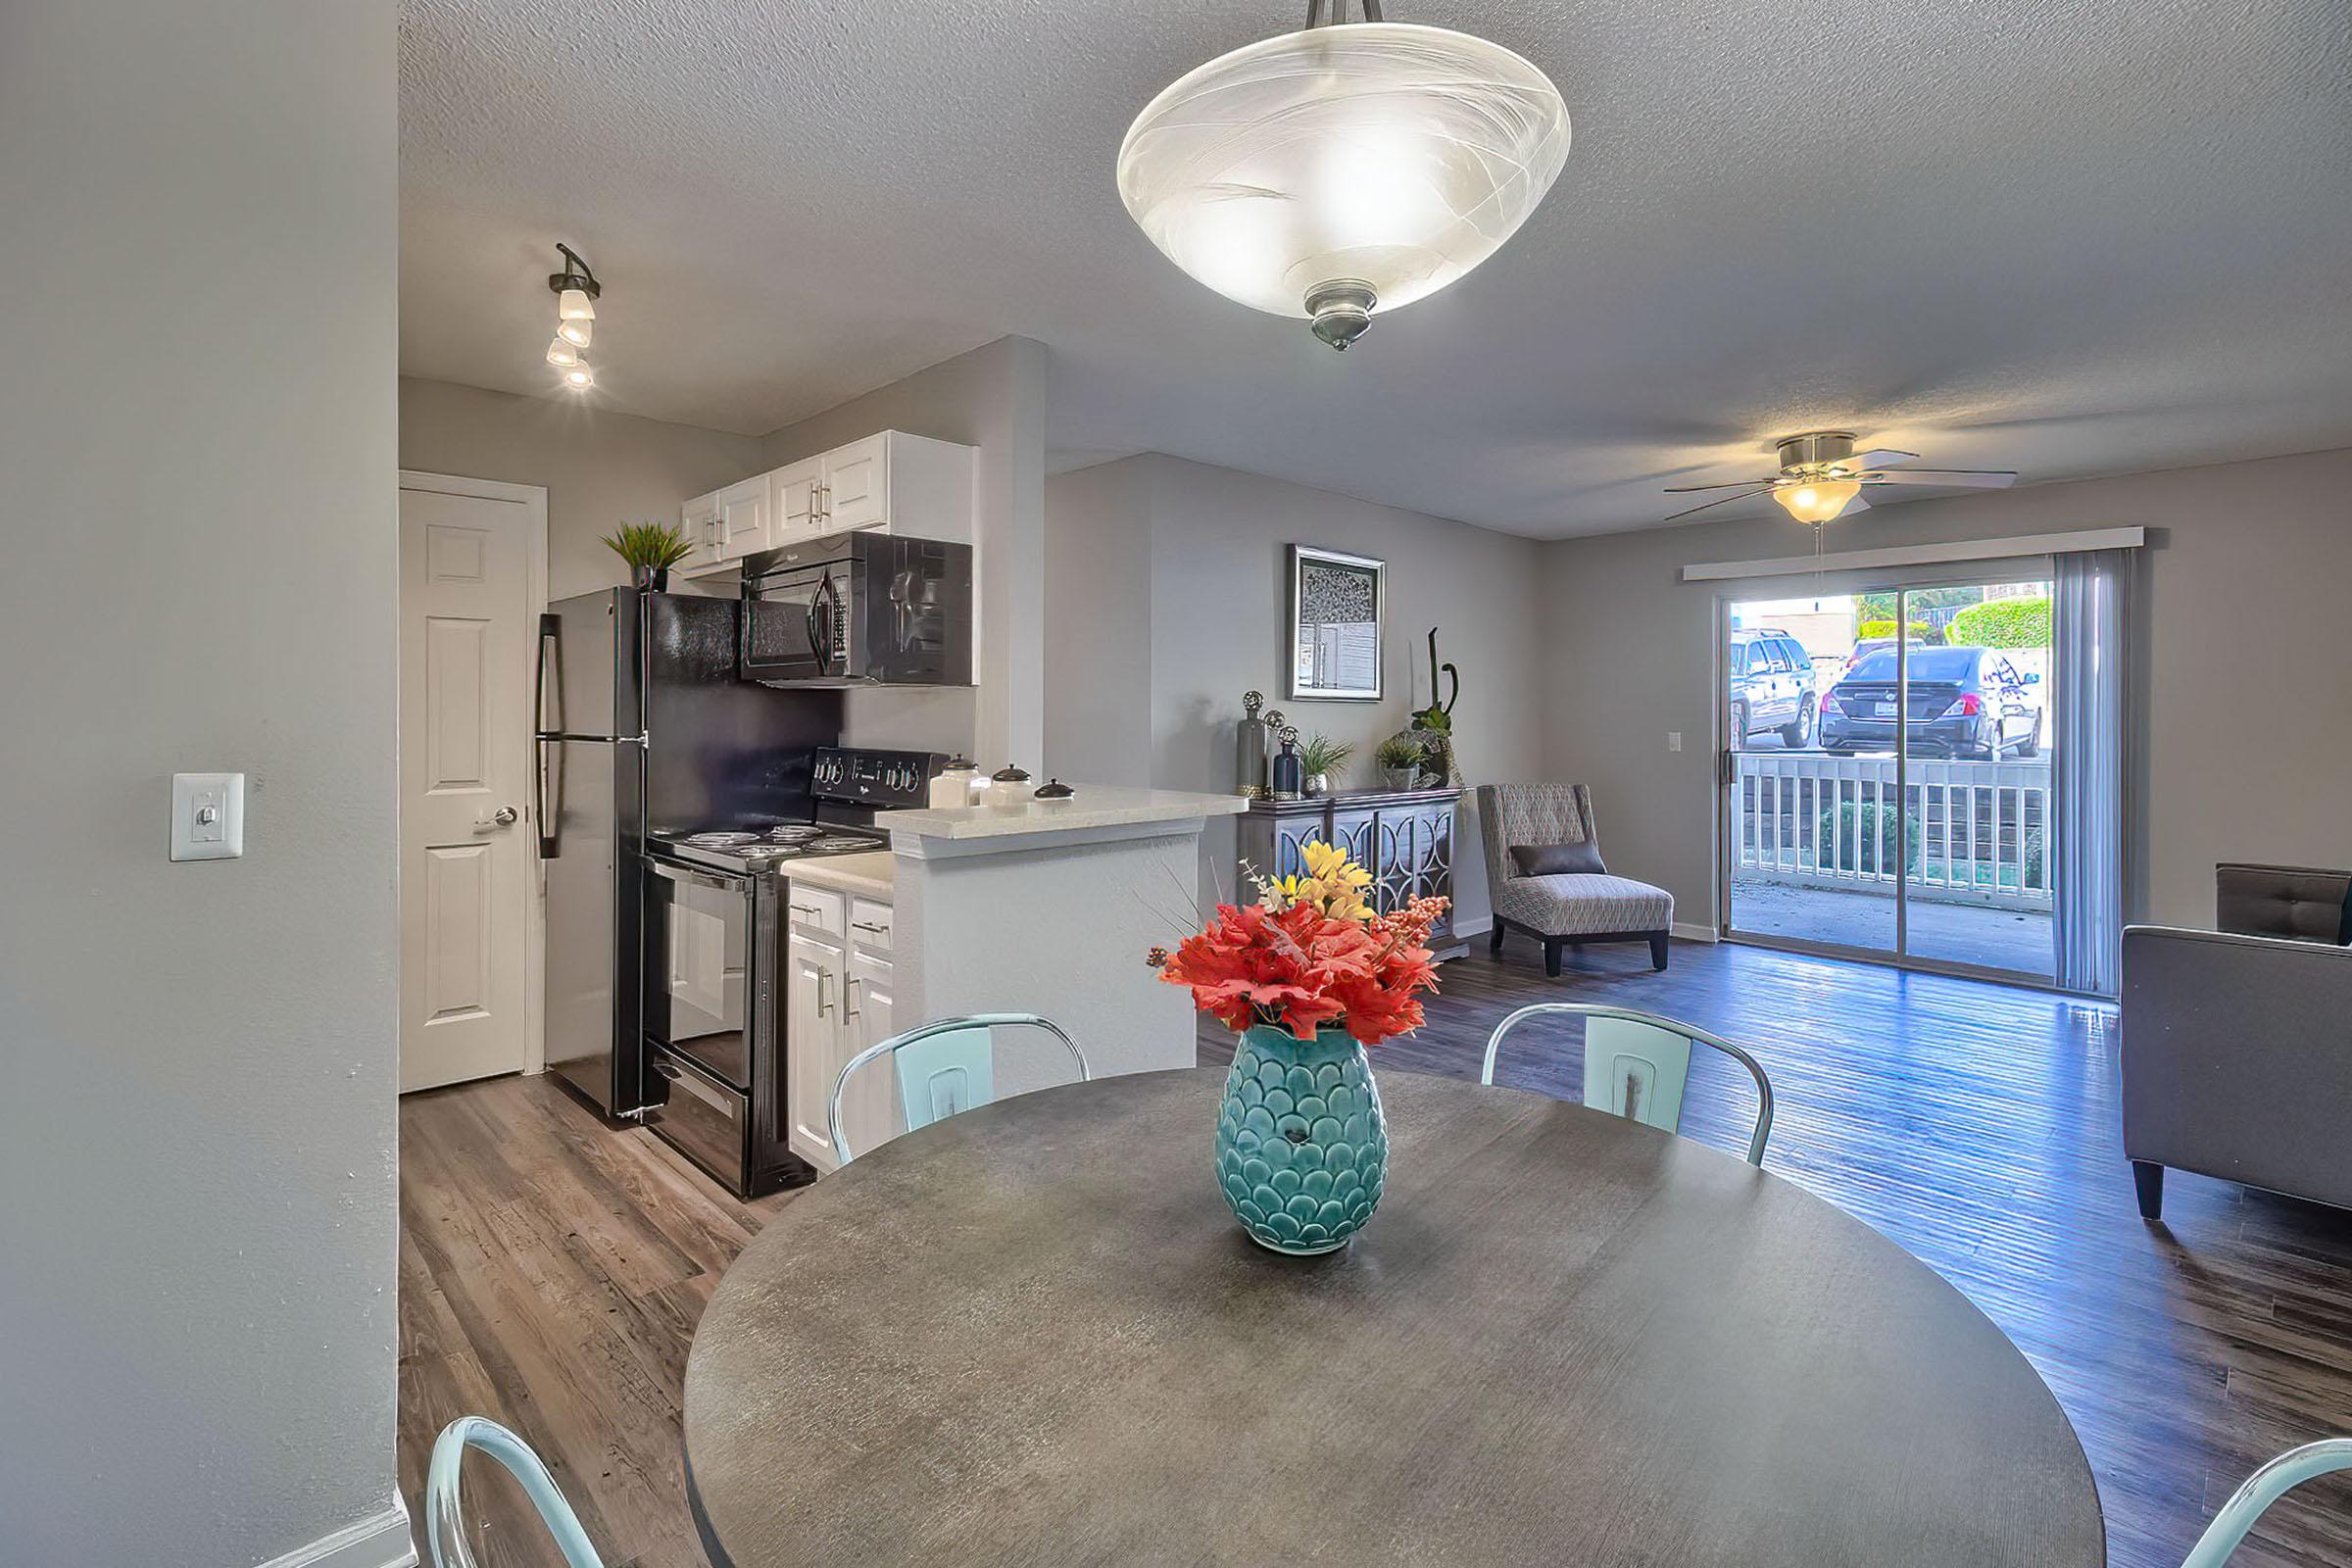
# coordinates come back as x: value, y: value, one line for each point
x: 1569, y: 909
x: 2237, y: 1063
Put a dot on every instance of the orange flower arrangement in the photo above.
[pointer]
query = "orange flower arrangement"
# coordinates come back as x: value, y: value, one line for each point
x: 1311, y: 953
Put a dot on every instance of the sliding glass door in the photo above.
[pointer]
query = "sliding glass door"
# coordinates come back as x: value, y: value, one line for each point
x: 1906, y: 814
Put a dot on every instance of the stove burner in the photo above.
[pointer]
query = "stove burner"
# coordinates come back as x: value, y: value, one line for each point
x: 835, y: 843
x: 719, y: 841
x: 791, y: 833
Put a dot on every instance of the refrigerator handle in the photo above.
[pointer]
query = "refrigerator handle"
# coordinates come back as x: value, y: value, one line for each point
x: 550, y: 631
x: 547, y: 817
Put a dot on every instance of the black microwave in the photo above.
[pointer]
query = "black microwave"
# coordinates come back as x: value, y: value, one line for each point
x: 860, y: 609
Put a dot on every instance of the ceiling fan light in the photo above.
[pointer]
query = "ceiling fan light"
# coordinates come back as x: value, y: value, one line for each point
x: 571, y: 304
x: 579, y: 377
x: 1816, y: 501
x: 575, y: 333
x: 561, y: 352
x: 1376, y: 156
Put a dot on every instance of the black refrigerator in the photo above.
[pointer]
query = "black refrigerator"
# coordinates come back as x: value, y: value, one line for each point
x: 644, y: 725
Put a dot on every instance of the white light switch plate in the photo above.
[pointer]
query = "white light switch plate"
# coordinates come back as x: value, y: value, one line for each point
x: 1674, y: 740
x: 208, y: 816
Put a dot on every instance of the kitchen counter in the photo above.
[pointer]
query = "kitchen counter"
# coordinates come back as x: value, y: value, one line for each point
x: 872, y: 873
x: 1050, y: 907
x: 1097, y: 805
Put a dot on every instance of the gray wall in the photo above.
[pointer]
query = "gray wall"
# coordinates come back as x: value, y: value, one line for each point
x: 197, y: 1138
x: 993, y: 398
x: 600, y: 469
x: 2243, y: 742
x: 1168, y: 599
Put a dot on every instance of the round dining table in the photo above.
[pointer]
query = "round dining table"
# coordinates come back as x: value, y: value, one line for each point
x: 1033, y: 1333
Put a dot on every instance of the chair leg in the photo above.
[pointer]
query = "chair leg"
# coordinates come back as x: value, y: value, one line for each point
x: 2148, y: 1178
x: 1551, y: 955
x: 1494, y: 937
x: 1657, y: 949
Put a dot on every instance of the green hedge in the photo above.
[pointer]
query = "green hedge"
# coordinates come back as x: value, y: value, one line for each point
x: 1882, y: 832
x: 2004, y: 623
x: 1921, y: 631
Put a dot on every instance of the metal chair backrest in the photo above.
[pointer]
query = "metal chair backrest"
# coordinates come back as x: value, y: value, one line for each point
x: 445, y: 1525
x: 1637, y: 1064
x: 943, y: 1067
x: 2262, y: 1488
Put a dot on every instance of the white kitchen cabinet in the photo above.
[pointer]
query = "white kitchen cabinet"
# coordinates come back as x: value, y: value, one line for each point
x: 792, y: 503
x: 857, y: 480
x: 837, y: 1002
x: 888, y: 483
x: 743, y: 518
x: 697, y: 521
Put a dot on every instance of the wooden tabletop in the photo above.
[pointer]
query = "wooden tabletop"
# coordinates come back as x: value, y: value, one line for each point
x: 1032, y: 1333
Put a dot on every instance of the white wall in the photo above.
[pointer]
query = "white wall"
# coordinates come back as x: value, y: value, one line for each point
x: 600, y: 469
x: 2243, y: 726
x: 1170, y: 598
x: 197, y: 1138
x: 993, y: 398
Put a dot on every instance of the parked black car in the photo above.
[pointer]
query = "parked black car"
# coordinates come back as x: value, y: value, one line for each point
x: 1773, y: 686
x: 1964, y: 702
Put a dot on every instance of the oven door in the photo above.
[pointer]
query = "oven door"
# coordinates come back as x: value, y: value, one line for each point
x: 714, y: 962
x: 798, y: 628
x: 702, y: 975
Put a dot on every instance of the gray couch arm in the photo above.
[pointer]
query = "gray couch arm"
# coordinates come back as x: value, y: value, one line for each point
x: 2237, y: 1060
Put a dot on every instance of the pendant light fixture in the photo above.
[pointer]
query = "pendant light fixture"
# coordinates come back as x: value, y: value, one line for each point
x: 1344, y: 168
x: 575, y: 289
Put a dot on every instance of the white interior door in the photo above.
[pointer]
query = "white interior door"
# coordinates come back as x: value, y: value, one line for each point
x: 466, y: 615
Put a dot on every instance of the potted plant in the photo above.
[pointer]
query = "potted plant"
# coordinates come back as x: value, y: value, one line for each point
x: 1319, y: 759
x: 1306, y: 977
x: 1399, y: 760
x: 650, y: 549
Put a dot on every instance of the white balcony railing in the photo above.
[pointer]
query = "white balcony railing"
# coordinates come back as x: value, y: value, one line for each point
x: 1974, y: 832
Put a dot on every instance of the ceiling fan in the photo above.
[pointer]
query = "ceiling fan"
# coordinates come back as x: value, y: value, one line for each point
x: 1822, y: 476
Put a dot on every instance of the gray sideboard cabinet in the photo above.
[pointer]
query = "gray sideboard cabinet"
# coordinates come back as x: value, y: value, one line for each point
x: 1406, y: 838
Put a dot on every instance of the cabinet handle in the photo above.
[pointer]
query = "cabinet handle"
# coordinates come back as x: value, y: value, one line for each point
x: 804, y: 911
x: 849, y: 993
x: 870, y: 926
x: 821, y: 977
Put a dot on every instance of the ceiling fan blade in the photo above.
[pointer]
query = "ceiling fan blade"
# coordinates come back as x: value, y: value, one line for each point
x: 1735, y: 484
x: 1964, y: 478
x: 1717, y: 502
x: 1883, y: 458
x: 1851, y: 507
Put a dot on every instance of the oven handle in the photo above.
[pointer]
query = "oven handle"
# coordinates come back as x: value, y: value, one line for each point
x: 709, y: 879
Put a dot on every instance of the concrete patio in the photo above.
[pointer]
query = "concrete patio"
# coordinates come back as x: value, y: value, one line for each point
x: 1951, y: 933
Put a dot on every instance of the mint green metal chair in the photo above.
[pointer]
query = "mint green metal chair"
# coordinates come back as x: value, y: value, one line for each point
x: 2262, y: 1488
x: 943, y: 1067
x: 1636, y: 1065
x: 445, y: 1522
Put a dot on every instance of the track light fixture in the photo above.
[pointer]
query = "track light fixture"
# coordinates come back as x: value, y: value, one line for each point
x: 575, y: 289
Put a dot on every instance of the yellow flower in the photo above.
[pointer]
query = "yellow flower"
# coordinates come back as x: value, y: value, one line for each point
x: 1329, y: 864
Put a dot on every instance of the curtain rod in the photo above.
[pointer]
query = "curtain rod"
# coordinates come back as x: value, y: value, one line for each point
x: 2027, y: 544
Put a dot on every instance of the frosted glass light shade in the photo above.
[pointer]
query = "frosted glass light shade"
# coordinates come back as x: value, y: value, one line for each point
x: 1385, y: 156
x: 561, y: 353
x: 577, y: 333
x: 573, y: 305
x: 1817, y: 501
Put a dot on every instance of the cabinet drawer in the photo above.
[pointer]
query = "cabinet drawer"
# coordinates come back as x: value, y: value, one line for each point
x: 817, y: 909
x: 699, y: 1118
x: 870, y: 923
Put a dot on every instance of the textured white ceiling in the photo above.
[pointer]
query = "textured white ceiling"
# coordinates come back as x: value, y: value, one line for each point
x: 2066, y: 236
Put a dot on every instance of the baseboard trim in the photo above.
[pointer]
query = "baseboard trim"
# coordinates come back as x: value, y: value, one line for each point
x: 1697, y: 933
x: 379, y: 1541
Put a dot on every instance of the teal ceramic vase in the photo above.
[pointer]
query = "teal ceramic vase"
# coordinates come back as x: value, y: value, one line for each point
x: 1302, y: 1147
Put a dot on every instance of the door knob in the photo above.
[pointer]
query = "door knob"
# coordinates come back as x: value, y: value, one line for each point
x: 504, y: 816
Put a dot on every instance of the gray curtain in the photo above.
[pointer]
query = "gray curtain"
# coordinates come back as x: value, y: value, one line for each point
x: 2086, y: 784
